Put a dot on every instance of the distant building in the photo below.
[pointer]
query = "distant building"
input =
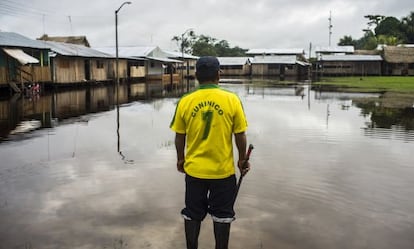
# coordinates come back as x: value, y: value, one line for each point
x: 399, y: 60
x: 333, y: 50
x: 350, y: 65
x: 235, y: 66
x: 189, y: 62
x: 281, y: 66
x: 158, y: 67
x: 280, y: 62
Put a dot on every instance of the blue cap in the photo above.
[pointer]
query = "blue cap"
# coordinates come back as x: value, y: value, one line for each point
x: 208, y: 63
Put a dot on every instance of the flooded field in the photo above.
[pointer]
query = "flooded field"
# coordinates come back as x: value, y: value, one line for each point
x: 327, y: 172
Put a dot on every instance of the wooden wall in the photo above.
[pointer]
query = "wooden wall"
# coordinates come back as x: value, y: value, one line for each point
x: 274, y: 69
x: 68, y: 70
x: 3, y: 75
x: 241, y: 70
x: 40, y: 74
x: 137, y: 71
x: 72, y: 70
x: 344, y: 68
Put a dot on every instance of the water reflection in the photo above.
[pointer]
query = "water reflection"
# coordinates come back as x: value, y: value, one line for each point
x: 68, y: 106
x: 319, y: 180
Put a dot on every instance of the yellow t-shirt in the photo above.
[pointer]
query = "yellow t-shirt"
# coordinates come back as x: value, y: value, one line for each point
x: 209, y: 116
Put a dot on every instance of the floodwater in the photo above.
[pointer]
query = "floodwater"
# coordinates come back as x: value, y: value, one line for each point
x: 326, y: 173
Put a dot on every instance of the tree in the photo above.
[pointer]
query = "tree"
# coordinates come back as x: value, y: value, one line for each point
x: 367, y: 42
x: 373, y: 20
x: 185, y: 41
x: 204, y: 45
x: 346, y: 41
x: 390, y: 27
x: 388, y: 40
x: 407, y: 27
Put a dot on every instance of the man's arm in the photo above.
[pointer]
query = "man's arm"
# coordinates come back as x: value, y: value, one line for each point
x: 180, y: 147
x: 241, y: 143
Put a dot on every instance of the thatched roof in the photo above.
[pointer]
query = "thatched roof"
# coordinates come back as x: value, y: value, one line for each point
x: 399, y: 54
x: 79, y: 40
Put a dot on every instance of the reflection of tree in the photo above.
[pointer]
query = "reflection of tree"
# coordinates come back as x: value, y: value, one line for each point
x: 386, y: 117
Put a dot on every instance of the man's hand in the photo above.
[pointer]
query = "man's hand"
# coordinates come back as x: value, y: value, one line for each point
x: 244, y: 166
x: 180, y: 165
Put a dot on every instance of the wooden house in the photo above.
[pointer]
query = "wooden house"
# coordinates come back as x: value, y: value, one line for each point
x: 235, y: 66
x: 77, y: 64
x: 281, y: 66
x: 157, y: 66
x: 285, y: 62
x: 333, y: 50
x: 154, y: 65
x: 398, y: 60
x: 23, y: 61
x: 187, y: 68
x: 350, y: 65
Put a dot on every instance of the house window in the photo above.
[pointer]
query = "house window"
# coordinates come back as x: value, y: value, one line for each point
x: 99, y: 64
x: 411, y: 66
x: 152, y: 64
x: 238, y: 67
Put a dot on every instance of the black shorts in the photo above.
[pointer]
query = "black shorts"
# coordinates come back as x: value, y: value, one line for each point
x: 213, y: 196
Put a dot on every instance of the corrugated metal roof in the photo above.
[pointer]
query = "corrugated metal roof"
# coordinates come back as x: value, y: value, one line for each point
x: 281, y: 59
x: 176, y: 54
x: 69, y: 49
x: 10, y: 39
x: 351, y: 57
x: 168, y: 60
x: 335, y: 49
x: 233, y: 61
x: 275, y: 51
x: 135, y: 51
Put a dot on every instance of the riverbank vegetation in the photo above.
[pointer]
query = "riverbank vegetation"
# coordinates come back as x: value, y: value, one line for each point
x: 378, y: 84
x: 396, y: 92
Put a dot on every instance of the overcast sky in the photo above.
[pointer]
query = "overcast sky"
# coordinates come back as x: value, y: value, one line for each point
x: 243, y: 23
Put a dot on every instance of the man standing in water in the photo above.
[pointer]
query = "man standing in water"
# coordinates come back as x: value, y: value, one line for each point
x: 205, y: 121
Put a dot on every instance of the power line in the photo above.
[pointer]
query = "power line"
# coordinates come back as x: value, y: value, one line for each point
x: 15, y: 9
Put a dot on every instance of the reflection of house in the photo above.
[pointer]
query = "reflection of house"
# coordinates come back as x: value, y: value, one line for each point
x: 350, y: 65
x: 399, y: 60
x: 234, y: 66
x: 73, y: 63
x: 22, y: 60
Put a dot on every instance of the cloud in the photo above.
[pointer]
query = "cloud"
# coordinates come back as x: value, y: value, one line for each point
x: 243, y: 23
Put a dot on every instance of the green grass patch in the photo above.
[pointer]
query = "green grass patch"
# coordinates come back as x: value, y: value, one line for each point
x: 379, y: 84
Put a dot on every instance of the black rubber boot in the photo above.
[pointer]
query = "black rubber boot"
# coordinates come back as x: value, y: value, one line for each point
x: 222, y: 234
x: 192, y: 230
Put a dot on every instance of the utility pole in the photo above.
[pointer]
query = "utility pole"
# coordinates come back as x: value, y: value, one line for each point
x: 330, y: 27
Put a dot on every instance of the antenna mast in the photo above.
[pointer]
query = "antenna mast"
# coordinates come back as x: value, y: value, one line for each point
x: 330, y: 27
